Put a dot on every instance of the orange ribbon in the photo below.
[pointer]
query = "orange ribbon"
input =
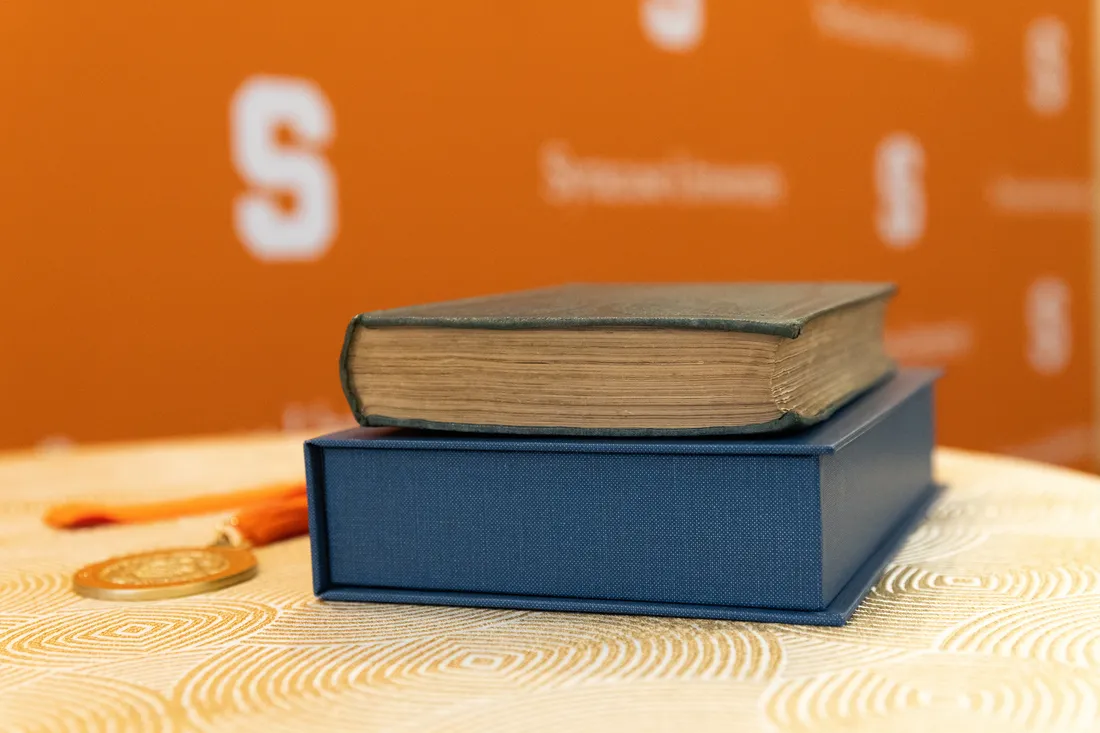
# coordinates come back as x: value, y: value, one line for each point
x: 282, y: 500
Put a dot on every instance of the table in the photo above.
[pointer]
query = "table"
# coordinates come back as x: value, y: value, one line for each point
x: 989, y: 619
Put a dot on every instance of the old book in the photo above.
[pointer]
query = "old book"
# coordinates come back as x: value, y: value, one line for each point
x: 791, y: 528
x: 620, y: 359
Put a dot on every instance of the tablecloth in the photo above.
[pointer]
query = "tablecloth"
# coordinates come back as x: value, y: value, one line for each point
x: 988, y: 619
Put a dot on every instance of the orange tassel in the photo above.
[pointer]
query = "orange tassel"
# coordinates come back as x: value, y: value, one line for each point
x: 267, y: 523
x: 77, y: 515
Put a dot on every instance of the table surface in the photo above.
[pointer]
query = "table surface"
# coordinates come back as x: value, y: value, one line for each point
x: 988, y: 619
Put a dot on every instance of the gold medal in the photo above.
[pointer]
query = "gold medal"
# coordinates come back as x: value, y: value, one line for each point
x: 148, y: 576
x: 171, y: 573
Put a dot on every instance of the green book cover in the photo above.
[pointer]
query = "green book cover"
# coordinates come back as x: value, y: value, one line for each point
x: 784, y: 311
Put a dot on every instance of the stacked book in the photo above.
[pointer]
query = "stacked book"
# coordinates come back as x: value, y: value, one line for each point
x: 731, y: 451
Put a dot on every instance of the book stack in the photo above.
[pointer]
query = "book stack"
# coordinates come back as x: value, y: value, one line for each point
x: 728, y: 451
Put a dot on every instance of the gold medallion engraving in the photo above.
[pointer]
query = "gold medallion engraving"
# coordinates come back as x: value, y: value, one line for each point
x: 165, y: 573
x: 173, y: 566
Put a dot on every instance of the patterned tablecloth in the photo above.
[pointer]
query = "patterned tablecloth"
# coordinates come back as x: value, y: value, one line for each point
x: 989, y: 619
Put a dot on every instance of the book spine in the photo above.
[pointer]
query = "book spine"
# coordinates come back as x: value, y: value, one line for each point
x: 345, y: 373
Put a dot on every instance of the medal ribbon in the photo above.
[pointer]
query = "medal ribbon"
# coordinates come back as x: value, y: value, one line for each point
x: 266, y: 514
x: 78, y: 515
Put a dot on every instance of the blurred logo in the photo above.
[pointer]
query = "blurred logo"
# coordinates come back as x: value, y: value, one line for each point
x: 1039, y: 196
x: 289, y: 211
x: 55, y: 444
x: 1068, y: 445
x: 897, y: 30
x: 1046, y: 62
x: 317, y: 415
x: 931, y: 344
x: 1050, y: 338
x: 899, y: 183
x: 673, y: 25
x: 573, y: 180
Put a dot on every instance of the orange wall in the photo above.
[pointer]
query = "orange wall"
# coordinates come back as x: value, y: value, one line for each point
x: 196, y: 199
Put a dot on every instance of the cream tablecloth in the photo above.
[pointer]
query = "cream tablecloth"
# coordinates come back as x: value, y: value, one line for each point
x: 989, y: 619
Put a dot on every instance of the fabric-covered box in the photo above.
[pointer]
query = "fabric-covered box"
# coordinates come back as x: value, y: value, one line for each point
x: 791, y: 528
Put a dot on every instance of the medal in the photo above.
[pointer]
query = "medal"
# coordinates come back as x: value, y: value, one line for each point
x: 175, y: 572
x: 149, y: 576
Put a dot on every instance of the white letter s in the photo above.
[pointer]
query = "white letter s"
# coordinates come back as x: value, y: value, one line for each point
x: 260, y: 106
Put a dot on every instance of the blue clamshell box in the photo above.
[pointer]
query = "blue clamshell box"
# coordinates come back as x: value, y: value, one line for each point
x: 792, y: 528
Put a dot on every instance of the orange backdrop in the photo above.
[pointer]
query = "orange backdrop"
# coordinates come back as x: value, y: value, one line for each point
x: 196, y: 197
